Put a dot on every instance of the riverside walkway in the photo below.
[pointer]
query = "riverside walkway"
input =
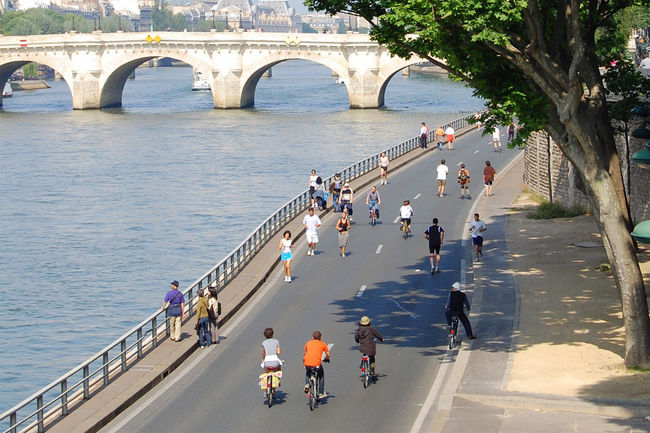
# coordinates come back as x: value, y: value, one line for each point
x: 384, y: 276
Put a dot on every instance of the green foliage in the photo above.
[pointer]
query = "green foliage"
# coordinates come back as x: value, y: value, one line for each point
x: 306, y: 28
x: 30, y: 71
x: 164, y: 20
x: 206, y: 26
x: 41, y: 21
x: 342, y: 29
x: 550, y: 210
x: 626, y: 88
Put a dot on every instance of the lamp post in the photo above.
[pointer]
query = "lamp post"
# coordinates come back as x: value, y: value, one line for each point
x: 119, y: 20
x: 73, y: 29
x: 214, y: 27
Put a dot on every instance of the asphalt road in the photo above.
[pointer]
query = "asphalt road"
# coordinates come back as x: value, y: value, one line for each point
x: 384, y: 276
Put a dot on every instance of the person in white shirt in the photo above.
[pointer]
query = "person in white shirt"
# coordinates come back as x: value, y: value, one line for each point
x: 477, y: 227
x: 424, y: 133
x: 449, y: 132
x: 311, y: 223
x: 405, y: 213
x: 443, y: 171
x: 496, y: 139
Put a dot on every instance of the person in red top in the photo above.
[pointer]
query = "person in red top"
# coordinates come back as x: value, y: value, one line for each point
x: 314, y: 350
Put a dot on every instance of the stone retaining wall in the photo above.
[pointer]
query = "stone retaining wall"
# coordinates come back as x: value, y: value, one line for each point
x: 563, y: 181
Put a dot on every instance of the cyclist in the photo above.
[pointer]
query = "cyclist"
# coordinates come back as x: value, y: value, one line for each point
x: 314, y: 350
x: 270, y: 352
x: 365, y: 337
x: 373, y: 200
x: 346, y: 198
x: 456, y: 303
x: 405, y: 213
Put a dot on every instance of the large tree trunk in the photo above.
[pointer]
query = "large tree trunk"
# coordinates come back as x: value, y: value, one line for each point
x: 591, y: 150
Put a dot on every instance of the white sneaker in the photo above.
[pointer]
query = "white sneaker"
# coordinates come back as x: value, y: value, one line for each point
x: 437, y: 269
x: 308, y: 251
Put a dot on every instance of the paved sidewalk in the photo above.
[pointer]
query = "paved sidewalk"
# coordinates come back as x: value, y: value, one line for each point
x: 475, y: 397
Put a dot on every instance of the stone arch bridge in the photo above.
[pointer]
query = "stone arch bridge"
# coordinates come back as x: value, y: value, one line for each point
x: 96, y: 66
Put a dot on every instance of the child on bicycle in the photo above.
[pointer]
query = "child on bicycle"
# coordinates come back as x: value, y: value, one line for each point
x: 312, y: 360
x: 405, y: 213
x: 365, y: 337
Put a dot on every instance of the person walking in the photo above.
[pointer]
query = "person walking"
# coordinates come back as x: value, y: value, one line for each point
x: 335, y: 190
x: 496, y: 139
x: 343, y: 227
x: 436, y: 237
x: 311, y: 222
x: 214, y: 310
x: 512, y: 130
x: 449, y: 132
x: 440, y: 136
x: 442, y: 171
x: 383, y: 168
x: 202, y: 319
x: 365, y: 337
x: 346, y: 199
x: 373, y: 200
x: 424, y: 133
x: 463, y: 181
x: 285, y: 255
x: 477, y: 227
x: 312, y: 186
x: 176, y: 311
x: 489, y: 176
x: 456, y: 304
x: 320, y: 194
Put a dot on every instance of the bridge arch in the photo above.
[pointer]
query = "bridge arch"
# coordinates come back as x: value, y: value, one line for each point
x: 253, y: 72
x: 10, y: 64
x: 389, y: 71
x: 117, y: 68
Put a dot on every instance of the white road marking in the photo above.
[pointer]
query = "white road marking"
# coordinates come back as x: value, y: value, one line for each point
x: 417, y: 197
x: 361, y: 290
x: 413, y: 316
x: 418, y: 270
x: 476, y: 151
x: 379, y: 248
x: 433, y: 393
x: 395, y: 220
x: 458, y: 165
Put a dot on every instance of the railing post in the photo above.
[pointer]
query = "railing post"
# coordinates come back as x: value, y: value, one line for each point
x: 105, y: 371
x: 12, y: 422
x: 39, y: 414
x: 167, y: 327
x: 123, y: 354
x: 139, y: 337
x: 154, y: 331
x: 86, y: 382
x: 64, y: 397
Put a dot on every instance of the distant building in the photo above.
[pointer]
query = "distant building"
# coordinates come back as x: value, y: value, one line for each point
x: 323, y: 23
x: 277, y: 16
x: 235, y: 14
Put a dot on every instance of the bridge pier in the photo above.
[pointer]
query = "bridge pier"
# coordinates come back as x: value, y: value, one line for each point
x: 365, y: 89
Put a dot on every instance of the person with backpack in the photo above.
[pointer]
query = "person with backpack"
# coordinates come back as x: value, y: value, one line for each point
x: 335, y: 190
x: 214, y: 311
x: 463, y: 180
x: 202, y: 319
x: 436, y: 237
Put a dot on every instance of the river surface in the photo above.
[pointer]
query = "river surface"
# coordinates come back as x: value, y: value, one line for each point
x: 101, y: 209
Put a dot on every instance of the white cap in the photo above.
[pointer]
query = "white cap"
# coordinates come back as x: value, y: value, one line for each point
x: 456, y: 285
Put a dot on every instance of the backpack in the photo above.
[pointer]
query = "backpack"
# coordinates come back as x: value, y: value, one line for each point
x: 463, y: 175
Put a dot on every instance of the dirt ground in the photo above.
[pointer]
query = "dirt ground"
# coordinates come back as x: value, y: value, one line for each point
x: 571, y: 339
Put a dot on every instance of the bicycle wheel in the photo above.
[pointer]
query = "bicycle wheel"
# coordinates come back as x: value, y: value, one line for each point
x: 269, y: 390
x: 451, y: 339
x: 312, y: 393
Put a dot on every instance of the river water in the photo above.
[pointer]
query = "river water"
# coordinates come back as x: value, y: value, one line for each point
x: 101, y: 209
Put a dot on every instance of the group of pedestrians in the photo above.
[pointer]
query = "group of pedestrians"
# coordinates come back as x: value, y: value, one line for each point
x: 440, y: 136
x: 442, y: 173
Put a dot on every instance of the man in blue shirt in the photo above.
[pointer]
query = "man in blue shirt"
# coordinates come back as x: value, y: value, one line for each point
x: 176, y: 303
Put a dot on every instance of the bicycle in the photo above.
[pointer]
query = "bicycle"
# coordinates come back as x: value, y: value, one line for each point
x: 365, y: 370
x: 453, y: 331
x: 405, y: 228
x: 268, y: 382
x: 312, y: 394
x: 373, y: 216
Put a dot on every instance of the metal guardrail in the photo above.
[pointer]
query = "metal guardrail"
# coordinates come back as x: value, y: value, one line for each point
x: 68, y: 391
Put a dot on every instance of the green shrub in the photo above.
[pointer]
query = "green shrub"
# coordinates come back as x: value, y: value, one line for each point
x: 549, y: 210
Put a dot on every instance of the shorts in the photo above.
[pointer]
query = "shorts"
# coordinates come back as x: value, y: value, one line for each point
x: 311, y: 191
x: 464, y: 185
x: 312, y: 236
x: 385, y: 169
x: 477, y: 240
x: 408, y: 220
x: 450, y: 138
x: 442, y: 182
x: 286, y: 256
x: 434, y: 249
x: 488, y: 182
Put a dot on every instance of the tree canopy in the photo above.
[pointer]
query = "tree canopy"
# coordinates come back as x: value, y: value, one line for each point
x: 39, y: 21
x: 539, y: 61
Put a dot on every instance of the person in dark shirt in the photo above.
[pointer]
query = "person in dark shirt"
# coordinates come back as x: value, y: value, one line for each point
x: 457, y: 300
x: 365, y: 336
x: 436, y: 236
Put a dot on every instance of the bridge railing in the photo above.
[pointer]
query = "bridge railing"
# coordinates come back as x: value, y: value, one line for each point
x: 82, y: 382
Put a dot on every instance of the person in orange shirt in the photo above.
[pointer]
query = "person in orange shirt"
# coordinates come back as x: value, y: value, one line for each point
x: 312, y: 360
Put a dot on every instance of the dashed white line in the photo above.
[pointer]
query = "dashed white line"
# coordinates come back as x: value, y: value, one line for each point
x: 417, y: 197
x: 476, y: 151
x: 395, y: 220
x: 458, y: 165
x: 379, y: 248
x: 361, y: 290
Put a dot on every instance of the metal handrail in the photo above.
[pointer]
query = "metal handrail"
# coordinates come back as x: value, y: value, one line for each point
x: 136, y: 342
